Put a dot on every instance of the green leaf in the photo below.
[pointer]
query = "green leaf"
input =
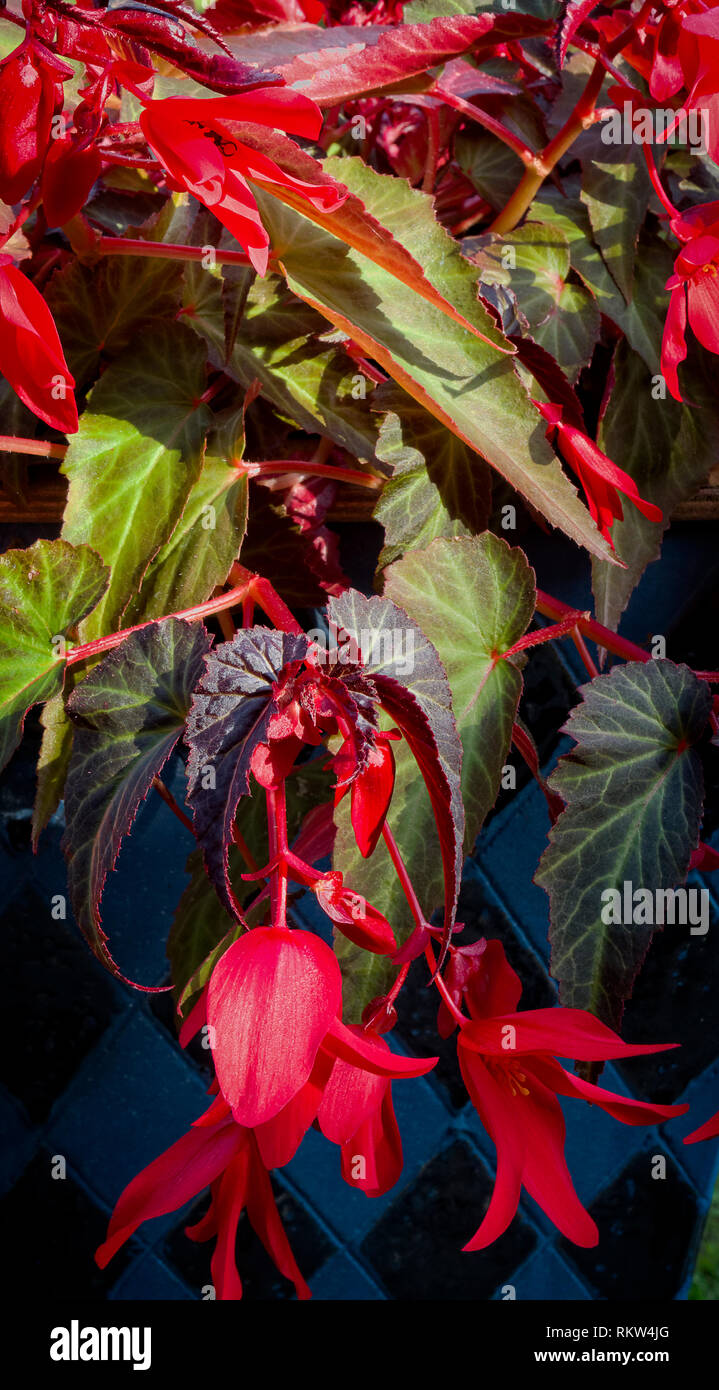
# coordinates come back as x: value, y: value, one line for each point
x: 561, y: 317
x: 634, y: 791
x: 439, y: 487
x: 643, y: 319
x: 102, y: 310
x: 135, y: 459
x: 492, y: 168
x: 467, y: 384
x: 45, y: 592
x: 309, y: 383
x: 207, y: 539
x: 128, y: 715
x: 616, y: 191
x: 668, y: 449
x: 471, y: 597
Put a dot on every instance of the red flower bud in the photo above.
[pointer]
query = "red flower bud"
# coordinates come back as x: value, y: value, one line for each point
x: 356, y: 918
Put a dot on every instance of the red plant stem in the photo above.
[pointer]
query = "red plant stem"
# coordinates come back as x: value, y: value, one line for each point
x: 433, y: 136
x: 166, y: 251
x: 268, y: 600
x: 544, y: 634
x: 421, y: 921
x: 603, y: 636
x: 581, y: 646
x: 277, y: 827
x: 403, y: 876
x: 456, y: 1013
x: 41, y: 448
x: 169, y: 800
x: 250, y: 586
x: 275, y: 468
x: 475, y: 113
x: 580, y: 119
x: 656, y: 181
x: 190, y: 615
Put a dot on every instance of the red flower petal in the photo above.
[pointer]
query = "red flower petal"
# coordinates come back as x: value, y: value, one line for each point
x: 265, y: 1220
x: 378, y: 1143
x: 279, y: 1139
x: 187, y: 1167
x: 674, y: 345
x: 371, y: 795
x: 271, y: 999
x: 709, y: 1130
x: 560, y: 1032
x: 351, y: 1096
x: 622, y: 1108
x: 355, y: 1048
x: 67, y: 177
x: 494, y: 1105
x: 31, y: 355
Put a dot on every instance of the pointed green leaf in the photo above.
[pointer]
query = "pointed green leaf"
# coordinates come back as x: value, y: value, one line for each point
x: 207, y: 539
x: 469, y: 385
x: 438, y: 487
x: 634, y: 792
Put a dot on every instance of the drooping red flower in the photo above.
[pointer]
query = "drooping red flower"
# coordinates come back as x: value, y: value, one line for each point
x: 30, y: 79
x: 194, y: 141
x: 356, y: 1112
x: 601, y: 479
x: 509, y: 1065
x: 31, y: 356
x: 223, y: 1155
x: 272, y: 1005
x: 694, y: 298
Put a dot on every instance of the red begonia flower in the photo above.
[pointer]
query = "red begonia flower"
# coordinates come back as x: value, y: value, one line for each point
x: 245, y: 1183
x: 271, y: 999
x: 699, y: 57
x: 694, y: 297
x: 709, y: 1130
x: 224, y: 1156
x: 508, y: 1062
x: 31, y: 356
x: 357, y: 1113
x: 357, y: 919
x: 196, y: 145
x: 29, y: 79
x: 601, y: 479
x: 272, y: 1004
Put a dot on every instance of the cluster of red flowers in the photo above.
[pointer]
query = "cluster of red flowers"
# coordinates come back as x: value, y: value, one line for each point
x: 284, y: 1060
